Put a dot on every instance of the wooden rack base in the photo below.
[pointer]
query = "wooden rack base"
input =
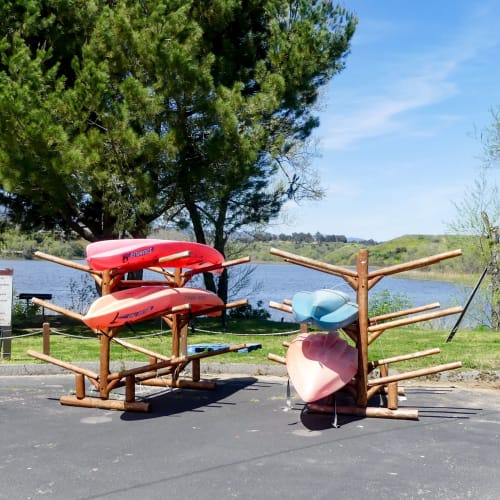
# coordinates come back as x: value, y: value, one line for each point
x: 162, y: 370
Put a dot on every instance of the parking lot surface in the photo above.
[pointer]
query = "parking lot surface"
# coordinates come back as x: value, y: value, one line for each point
x: 243, y: 441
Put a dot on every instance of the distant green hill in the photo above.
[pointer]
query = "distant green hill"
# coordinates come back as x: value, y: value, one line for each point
x: 399, y: 250
x: 14, y: 244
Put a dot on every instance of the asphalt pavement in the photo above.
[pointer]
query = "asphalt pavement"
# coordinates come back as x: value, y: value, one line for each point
x: 243, y: 441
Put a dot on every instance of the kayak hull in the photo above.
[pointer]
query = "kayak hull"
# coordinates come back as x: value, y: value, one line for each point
x: 320, y: 364
x: 134, y: 254
x: 132, y: 305
x: 329, y: 309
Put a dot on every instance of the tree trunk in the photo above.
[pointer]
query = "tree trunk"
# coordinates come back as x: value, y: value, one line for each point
x: 495, y: 277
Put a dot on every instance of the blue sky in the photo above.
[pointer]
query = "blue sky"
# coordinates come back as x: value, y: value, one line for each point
x: 399, y: 134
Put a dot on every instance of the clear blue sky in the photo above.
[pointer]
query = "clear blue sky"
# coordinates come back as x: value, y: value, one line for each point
x: 399, y: 126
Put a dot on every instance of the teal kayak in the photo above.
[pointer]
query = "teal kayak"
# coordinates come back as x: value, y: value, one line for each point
x: 328, y: 309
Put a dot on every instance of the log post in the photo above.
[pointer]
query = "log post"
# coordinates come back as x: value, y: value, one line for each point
x: 175, y: 335
x: 183, y: 339
x: 79, y: 386
x: 46, y: 338
x: 362, y: 341
x: 195, y: 370
x: 130, y: 389
x: 392, y: 396
x: 105, y: 341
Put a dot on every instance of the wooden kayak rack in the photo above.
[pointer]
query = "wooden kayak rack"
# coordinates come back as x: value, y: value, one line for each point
x: 162, y: 370
x: 366, y: 330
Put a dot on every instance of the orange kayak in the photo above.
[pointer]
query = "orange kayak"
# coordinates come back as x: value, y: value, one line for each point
x: 145, y: 302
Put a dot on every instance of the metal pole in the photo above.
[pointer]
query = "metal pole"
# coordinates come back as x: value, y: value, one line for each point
x: 469, y: 300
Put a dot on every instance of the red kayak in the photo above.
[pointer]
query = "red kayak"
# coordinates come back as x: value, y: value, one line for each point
x: 145, y: 302
x: 320, y: 364
x: 133, y: 254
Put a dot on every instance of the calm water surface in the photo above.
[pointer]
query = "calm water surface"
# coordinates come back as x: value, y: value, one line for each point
x: 266, y: 282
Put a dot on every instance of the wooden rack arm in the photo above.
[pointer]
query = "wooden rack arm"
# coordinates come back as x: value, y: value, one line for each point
x: 216, y: 267
x: 414, y: 319
x: 174, y: 256
x: 281, y: 307
x: 65, y: 262
x: 160, y: 270
x: 403, y: 357
x: 278, y: 359
x: 414, y: 264
x: 180, y: 308
x: 414, y: 374
x: 398, y: 314
x: 142, y: 350
x: 59, y: 309
x: 237, y: 303
x: 63, y: 364
x: 146, y: 368
x: 352, y: 331
x: 235, y: 262
x: 215, y: 352
x: 135, y: 283
x: 320, y: 266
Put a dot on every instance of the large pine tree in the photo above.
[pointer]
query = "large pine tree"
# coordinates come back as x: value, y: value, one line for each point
x: 115, y: 113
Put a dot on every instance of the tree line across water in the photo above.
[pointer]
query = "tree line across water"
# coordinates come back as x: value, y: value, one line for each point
x: 332, y: 249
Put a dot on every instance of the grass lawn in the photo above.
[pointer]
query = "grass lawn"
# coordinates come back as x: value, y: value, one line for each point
x: 478, y: 350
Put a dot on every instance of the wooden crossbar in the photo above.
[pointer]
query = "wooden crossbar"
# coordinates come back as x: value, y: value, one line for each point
x: 414, y: 264
x: 398, y: 314
x: 414, y: 319
x: 63, y: 364
x: 67, y: 263
x: 403, y: 357
x: 414, y: 374
x: 316, y: 264
x: 59, y: 309
x: 281, y: 307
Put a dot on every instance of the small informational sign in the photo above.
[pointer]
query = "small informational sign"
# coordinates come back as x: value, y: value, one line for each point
x: 6, y: 278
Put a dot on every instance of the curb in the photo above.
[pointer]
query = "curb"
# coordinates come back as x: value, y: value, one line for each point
x: 34, y: 369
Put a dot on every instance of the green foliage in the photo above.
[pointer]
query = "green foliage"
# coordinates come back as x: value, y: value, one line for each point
x: 82, y: 293
x: 24, y: 309
x: 117, y: 113
x: 18, y: 244
x: 385, y: 301
x: 249, y: 312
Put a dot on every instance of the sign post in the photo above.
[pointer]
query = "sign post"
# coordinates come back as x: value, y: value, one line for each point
x: 6, y: 278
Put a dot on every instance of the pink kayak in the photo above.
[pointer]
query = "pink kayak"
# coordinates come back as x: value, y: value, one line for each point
x: 133, y: 254
x: 320, y: 364
x: 137, y: 304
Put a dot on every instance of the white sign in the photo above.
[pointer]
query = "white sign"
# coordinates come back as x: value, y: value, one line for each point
x: 6, y: 297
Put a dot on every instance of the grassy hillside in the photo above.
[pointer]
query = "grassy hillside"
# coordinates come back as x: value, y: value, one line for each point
x: 396, y: 251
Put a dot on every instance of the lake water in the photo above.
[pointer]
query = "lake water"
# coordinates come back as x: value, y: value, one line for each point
x: 267, y: 282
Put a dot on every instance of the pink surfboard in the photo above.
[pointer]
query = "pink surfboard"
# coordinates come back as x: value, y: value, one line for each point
x: 137, y: 304
x: 320, y: 364
x: 133, y: 254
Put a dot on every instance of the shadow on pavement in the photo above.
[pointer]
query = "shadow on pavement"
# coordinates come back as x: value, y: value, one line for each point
x: 173, y: 401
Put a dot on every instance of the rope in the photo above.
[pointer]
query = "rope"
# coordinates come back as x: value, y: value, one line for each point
x: 157, y: 334
x: 19, y: 336
x: 275, y: 334
x: 81, y: 337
